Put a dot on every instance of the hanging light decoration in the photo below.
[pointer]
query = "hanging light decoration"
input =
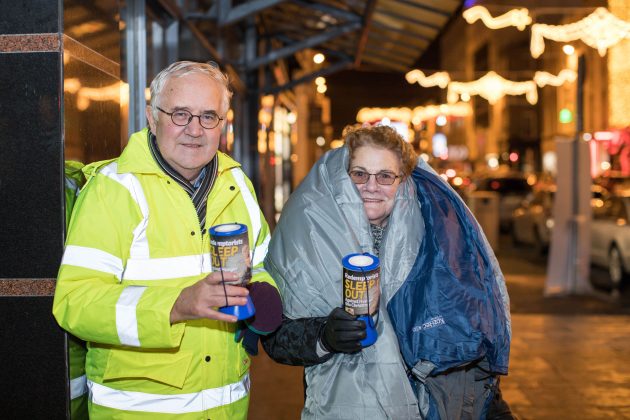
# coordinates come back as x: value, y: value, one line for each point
x: 542, y: 78
x: 429, y: 112
x: 493, y: 87
x: 441, y: 78
x: 601, y: 29
x: 377, y: 114
x: 515, y: 17
x: 417, y: 115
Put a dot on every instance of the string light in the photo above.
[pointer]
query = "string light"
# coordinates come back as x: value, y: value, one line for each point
x: 493, y: 87
x: 267, y: 101
x: 319, y: 58
x: 417, y: 115
x: 542, y: 78
x: 440, y: 78
x: 377, y: 114
x: 515, y: 17
x: 601, y: 30
x: 424, y: 113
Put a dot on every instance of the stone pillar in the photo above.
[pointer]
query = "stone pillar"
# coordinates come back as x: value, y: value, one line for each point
x: 59, y: 100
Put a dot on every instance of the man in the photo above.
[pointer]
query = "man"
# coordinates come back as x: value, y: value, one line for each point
x: 135, y: 280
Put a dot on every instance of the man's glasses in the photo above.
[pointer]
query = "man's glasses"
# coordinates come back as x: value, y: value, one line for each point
x: 382, y: 178
x: 182, y: 118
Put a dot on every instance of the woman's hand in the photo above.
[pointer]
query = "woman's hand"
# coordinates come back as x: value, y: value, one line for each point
x: 343, y: 332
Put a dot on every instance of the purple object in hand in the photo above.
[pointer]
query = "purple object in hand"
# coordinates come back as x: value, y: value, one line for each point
x: 268, y: 304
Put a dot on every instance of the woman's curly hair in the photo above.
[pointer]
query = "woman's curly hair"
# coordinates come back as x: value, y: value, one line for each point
x: 383, y: 137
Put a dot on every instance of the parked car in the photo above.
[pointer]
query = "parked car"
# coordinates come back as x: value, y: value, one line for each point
x: 512, y: 188
x: 610, y: 239
x: 532, y: 221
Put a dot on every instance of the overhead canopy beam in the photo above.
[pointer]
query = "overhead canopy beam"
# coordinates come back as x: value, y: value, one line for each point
x: 411, y: 19
x: 224, y: 14
x: 333, y: 68
x: 174, y: 10
x: 403, y: 32
x: 230, y: 15
x: 311, y: 42
x: 439, y: 7
x: 363, y: 39
x: 333, y: 11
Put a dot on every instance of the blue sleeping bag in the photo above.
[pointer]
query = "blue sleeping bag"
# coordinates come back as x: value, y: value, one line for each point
x: 450, y: 310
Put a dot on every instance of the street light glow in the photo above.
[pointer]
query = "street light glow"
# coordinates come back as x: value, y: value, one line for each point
x: 568, y: 49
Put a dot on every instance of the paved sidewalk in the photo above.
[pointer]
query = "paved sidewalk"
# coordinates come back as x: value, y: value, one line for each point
x: 570, y: 356
x: 569, y: 367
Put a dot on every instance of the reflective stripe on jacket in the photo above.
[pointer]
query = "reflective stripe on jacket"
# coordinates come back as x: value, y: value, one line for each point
x: 134, y: 243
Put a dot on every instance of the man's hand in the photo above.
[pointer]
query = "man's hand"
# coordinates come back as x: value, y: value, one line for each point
x: 200, y: 299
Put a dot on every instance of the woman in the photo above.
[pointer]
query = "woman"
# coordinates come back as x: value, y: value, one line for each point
x: 443, y: 322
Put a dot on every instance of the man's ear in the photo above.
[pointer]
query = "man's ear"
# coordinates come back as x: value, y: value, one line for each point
x: 152, y: 123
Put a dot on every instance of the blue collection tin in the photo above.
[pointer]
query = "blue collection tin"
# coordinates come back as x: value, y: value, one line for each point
x: 361, y: 291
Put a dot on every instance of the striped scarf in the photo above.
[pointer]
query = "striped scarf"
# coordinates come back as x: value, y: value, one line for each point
x: 377, y: 237
x: 199, y: 196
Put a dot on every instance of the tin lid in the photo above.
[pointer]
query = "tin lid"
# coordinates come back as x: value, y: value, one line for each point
x: 358, y: 262
x: 228, y: 229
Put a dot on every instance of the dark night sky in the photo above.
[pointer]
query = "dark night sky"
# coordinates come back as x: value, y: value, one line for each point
x: 352, y: 90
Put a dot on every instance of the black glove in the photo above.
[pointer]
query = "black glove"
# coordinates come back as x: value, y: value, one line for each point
x: 343, y: 332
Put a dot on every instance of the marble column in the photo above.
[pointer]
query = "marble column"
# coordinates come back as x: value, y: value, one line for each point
x: 59, y: 100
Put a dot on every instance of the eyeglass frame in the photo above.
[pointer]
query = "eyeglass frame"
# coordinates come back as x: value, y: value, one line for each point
x: 375, y: 176
x: 170, y: 114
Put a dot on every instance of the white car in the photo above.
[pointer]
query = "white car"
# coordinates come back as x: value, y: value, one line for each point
x: 610, y: 238
x: 532, y: 221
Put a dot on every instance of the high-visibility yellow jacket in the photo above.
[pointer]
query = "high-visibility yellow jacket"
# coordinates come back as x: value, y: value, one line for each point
x: 134, y: 243
x: 74, y: 180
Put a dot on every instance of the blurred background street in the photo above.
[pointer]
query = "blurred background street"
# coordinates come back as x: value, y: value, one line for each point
x: 522, y: 107
x: 569, y: 354
x: 569, y: 357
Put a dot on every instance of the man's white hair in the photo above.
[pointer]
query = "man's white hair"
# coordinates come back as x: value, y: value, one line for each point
x: 183, y: 68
